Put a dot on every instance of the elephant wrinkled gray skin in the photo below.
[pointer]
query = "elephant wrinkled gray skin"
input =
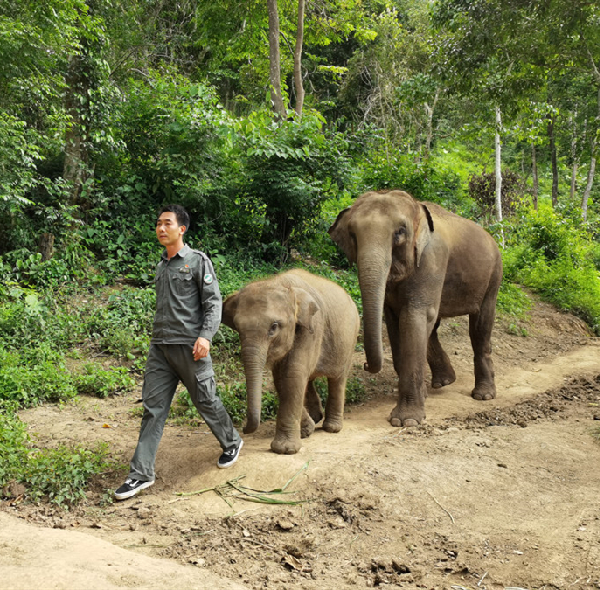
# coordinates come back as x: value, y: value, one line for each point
x: 418, y: 263
x: 301, y: 327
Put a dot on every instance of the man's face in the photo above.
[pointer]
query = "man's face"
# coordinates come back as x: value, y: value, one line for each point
x: 167, y: 230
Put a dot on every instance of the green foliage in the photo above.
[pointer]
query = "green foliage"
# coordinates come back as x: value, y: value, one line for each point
x: 13, y: 444
x: 419, y: 178
x: 122, y: 249
x: 30, y: 318
x: 233, y: 395
x: 553, y: 254
x: 31, y: 379
x: 512, y: 306
x: 59, y: 474
x: 513, y: 301
x: 291, y: 168
x: 175, y: 133
x: 355, y: 390
x: 28, y: 269
x: 123, y: 326
x: 99, y: 382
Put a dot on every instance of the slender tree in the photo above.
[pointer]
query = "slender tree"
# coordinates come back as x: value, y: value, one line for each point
x: 298, y: 82
x: 275, y: 59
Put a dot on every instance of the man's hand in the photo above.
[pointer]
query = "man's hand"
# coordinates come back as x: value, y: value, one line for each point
x: 201, y: 348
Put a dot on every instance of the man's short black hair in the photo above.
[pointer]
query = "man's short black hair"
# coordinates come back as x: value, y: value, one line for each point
x: 183, y: 217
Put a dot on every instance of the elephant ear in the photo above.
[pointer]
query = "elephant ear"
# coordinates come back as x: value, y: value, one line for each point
x: 306, y: 308
x: 424, y: 231
x: 340, y: 234
x: 230, y: 306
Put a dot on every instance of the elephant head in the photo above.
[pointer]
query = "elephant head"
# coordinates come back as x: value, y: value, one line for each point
x: 385, y: 233
x: 267, y: 316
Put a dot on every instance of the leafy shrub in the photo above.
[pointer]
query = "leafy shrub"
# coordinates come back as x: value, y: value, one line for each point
x: 554, y: 255
x: 13, y: 444
x: 100, y: 382
x: 513, y: 301
x: 421, y: 179
x: 61, y: 474
x: 127, y: 250
x: 124, y: 325
x: 290, y: 168
x: 38, y: 378
x: 30, y: 318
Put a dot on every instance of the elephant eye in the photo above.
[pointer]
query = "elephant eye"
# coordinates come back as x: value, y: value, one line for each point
x: 400, y: 235
x: 273, y: 327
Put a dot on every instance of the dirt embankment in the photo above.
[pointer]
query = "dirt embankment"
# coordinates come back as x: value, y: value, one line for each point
x: 485, y: 495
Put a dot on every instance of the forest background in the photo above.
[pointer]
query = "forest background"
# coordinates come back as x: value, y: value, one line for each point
x: 265, y: 119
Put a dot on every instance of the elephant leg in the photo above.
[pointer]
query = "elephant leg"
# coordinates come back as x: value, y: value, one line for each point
x: 414, y: 326
x: 393, y: 330
x: 312, y: 411
x: 307, y: 426
x: 291, y: 387
x: 312, y: 403
x: 480, y: 331
x: 334, y: 408
x: 442, y: 372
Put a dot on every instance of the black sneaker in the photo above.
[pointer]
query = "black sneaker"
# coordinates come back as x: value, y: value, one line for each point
x: 228, y: 458
x: 131, y: 487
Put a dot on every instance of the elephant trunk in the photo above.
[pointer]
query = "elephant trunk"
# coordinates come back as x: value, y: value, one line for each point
x: 254, y: 360
x: 373, y: 270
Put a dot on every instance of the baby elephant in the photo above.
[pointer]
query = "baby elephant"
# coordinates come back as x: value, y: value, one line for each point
x: 301, y: 327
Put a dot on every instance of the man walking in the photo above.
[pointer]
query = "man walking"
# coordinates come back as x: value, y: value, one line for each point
x: 188, y: 313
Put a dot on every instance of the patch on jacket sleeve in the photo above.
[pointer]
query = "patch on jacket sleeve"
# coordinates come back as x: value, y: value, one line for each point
x: 208, y: 278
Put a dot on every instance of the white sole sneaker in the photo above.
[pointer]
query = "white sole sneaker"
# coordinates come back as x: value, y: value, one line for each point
x: 127, y: 490
x: 230, y: 461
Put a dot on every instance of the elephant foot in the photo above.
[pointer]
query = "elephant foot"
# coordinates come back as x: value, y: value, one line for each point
x: 406, y: 417
x: 332, y: 425
x: 484, y: 393
x: 442, y: 379
x: 307, y: 427
x: 285, y: 446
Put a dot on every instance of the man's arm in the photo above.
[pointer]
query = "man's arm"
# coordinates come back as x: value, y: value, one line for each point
x: 211, y: 303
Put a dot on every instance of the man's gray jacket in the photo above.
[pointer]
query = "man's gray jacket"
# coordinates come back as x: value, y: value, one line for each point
x: 188, y: 300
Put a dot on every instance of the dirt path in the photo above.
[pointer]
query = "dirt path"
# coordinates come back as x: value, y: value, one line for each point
x: 485, y: 495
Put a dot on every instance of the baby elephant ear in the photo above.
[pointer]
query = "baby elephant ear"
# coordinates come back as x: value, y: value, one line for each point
x: 340, y: 234
x: 230, y: 306
x: 306, y: 308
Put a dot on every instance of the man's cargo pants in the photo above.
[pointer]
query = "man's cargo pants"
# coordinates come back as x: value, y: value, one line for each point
x: 167, y: 365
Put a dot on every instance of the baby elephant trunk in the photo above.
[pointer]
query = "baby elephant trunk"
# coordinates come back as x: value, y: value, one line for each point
x: 254, y: 360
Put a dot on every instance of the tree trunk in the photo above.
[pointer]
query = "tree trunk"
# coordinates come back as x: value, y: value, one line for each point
x: 76, y: 157
x: 430, y: 110
x: 554, y: 161
x: 498, y: 165
x: 574, y: 158
x: 298, y: 60
x: 274, y: 59
x: 590, y: 182
x: 46, y: 246
x: 534, y: 172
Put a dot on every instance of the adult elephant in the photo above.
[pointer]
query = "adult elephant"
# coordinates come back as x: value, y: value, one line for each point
x: 418, y: 263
